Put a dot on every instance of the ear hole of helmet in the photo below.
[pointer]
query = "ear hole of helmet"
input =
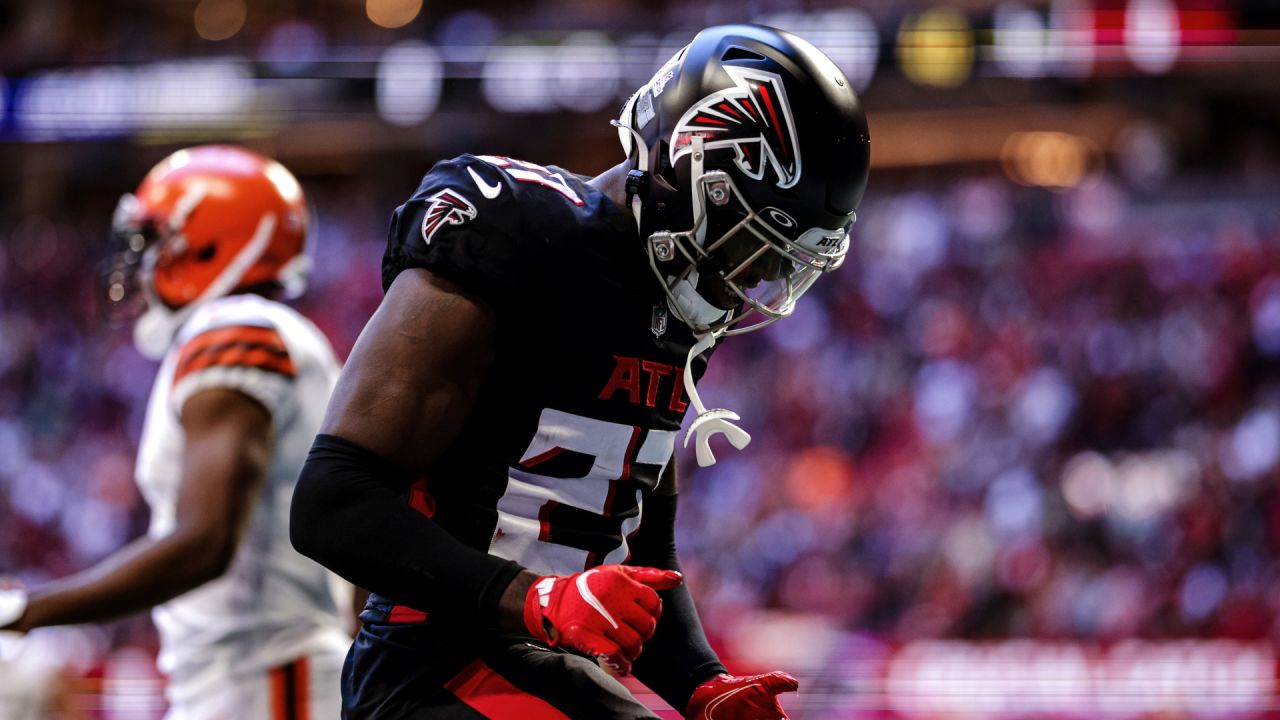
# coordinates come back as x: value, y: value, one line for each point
x: 740, y: 53
x: 207, y: 253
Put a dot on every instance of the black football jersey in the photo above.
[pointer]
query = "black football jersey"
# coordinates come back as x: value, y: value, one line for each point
x: 579, y: 415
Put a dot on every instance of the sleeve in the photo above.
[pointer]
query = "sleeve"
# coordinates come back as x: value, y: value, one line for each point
x: 678, y: 657
x: 249, y: 358
x: 344, y: 485
x: 463, y: 223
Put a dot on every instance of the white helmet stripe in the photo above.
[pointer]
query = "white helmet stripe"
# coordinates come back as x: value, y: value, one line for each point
x: 240, y: 264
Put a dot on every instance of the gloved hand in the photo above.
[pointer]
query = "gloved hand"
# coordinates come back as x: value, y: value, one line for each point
x: 608, y: 611
x: 747, y: 697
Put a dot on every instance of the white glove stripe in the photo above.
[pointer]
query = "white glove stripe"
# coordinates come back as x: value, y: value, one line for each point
x: 544, y: 591
x: 591, y: 599
x: 711, y: 706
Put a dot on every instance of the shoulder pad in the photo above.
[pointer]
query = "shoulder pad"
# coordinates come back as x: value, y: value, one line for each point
x: 463, y: 222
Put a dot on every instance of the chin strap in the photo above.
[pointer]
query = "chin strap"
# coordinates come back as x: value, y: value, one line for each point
x: 642, y: 164
x: 709, y: 422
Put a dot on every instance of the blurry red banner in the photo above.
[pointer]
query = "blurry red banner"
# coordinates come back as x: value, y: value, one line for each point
x: 1198, y: 22
x: 1207, y: 679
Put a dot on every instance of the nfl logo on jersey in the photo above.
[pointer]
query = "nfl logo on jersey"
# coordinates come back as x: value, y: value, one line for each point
x: 659, y: 325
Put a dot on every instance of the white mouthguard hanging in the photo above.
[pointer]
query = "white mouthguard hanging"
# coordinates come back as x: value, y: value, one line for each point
x: 709, y: 422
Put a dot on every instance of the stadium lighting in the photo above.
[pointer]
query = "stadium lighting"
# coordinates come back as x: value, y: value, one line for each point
x: 1048, y: 159
x: 936, y: 48
x: 1072, y: 46
x: 587, y: 70
x: 292, y: 46
x: 583, y: 73
x: 516, y: 78
x: 847, y: 35
x: 1151, y: 35
x: 408, y: 84
x: 114, y: 99
x: 219, y: 19
x: 1020, y: 41
x: 392, y: 13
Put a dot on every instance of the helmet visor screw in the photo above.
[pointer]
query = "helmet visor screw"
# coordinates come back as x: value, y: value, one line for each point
x: 718, y: 192
x: 664, y: 248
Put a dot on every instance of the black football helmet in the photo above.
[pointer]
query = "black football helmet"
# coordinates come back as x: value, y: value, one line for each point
x: 751, y: 153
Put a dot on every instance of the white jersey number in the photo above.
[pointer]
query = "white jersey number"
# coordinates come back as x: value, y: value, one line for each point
x: 534, y: 173
x: 574, y: 497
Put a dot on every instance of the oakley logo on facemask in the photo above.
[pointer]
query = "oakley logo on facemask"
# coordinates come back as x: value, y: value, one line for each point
x: 446, y: 207
x: 754, y: 118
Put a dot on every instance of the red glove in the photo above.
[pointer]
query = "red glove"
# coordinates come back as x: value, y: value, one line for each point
x: 608, y: 611
x: 749, y: 697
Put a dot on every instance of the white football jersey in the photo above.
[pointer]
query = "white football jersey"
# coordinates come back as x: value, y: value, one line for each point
x: 272, y: 605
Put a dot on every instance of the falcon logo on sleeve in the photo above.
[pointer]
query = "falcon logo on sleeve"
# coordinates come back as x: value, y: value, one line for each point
x: 446, y: 207
x: 753, y: 118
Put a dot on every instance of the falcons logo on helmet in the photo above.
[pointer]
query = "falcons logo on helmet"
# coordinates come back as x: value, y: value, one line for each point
x: 446, y: 208
x: 754, y: 118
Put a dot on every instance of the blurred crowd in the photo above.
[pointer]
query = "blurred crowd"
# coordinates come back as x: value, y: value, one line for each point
x: 1014, y: 412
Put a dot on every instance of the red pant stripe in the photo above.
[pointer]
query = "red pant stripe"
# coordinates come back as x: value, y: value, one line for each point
x: 491, y: 695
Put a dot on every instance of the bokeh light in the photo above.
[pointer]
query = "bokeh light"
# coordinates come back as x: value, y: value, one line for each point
x: 1088, y: 484
x: 392, y: 13
x: 1151, y: 35
x: 220, y: 19
x: 292, y: 46
x: 409, y: 77
x: 517, y: 78
x: 165, y: 97
x: 847, y: 35
x: 1020, y: 41
x: 1048, y: 159
x: 1072, y: 44
x: 587, y: 68
x: 936, y: 47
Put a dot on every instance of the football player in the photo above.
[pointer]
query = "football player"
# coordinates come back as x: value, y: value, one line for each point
x: 496, y: 462
x: 248, y: 627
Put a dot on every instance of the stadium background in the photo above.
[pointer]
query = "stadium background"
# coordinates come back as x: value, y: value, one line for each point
x: 1018, y: 458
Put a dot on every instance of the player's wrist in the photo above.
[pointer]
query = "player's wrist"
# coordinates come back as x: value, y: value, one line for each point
x: 13, y: 610
x: 719, y: 675
x: 512, y: 607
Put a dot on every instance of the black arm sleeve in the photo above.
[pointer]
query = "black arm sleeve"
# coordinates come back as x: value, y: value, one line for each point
x: 678, y: 657
x: 350, y: 515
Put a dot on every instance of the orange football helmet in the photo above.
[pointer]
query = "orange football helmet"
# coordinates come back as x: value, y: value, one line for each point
x: 206, y: 222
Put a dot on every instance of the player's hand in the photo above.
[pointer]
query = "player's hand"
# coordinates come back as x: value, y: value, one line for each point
x: 747, y: 697
x: 607, y: 611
